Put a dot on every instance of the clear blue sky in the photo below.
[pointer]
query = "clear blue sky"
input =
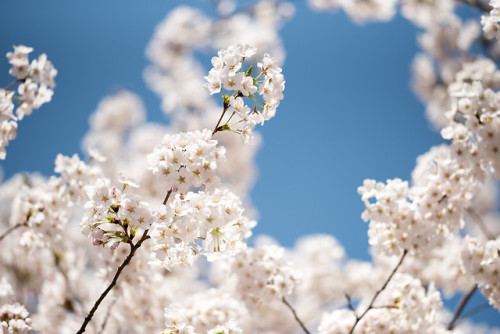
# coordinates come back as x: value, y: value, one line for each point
x: 348, y: 112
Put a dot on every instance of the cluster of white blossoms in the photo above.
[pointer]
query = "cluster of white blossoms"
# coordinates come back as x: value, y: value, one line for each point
x: 42, y: 208
x: 35, y: 78
x: 14, y: 318
x: 113, y: 215
x: 404, y: 307
x: 481, y: 260
x: 211, y: 311
x: 77, y: 176
x: 490, y: 22
x: 207, y: 223
x: 475, y: 115
x: 229, y: 77
x: 264, y: 274
x: 421, y: 217
x: 186, y: 160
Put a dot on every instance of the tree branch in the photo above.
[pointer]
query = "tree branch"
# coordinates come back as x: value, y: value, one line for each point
x: 480, y: 223
x: 465, y: 299
x: 475, y: 310
x: 167, y: 197
x: 13, y: 83
x: 478, y: 4
x: 217, y: 128
x: 12, y: 229
x: 358, y: 319
x: 133, y: 249
x: 295, y: 315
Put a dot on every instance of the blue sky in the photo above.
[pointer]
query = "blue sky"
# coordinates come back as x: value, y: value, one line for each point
x: 348, y: 112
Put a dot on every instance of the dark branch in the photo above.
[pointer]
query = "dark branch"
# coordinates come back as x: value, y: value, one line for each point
x: 217, y: 127
x: 478, y: 4
x: 465, y: 299
x: 12, y: 229
x: 167, y: 197
x: 474, y: 310
x: 133, y: 249
x: 13, y: 83
x: 370, y: 306
x: 296, y: 316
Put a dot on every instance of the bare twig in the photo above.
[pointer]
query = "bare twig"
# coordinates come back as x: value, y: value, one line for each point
x: 12, y: 229
x: 133, y: 249
x: 217, y: 127
x: 13, y: 83
x: 480, y: 223
x: 296, y: 316
x: 478, y: 4
x: 167, y: 197
x: 474, y: 310
x: 370, y: 306
x: 460, y: 307
x: 105, y: 322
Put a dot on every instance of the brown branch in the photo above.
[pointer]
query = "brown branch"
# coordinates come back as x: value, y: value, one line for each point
x: 370, y: 306
x: 167, y: 197
x: 461, y: 305
x: 296, y: 316
x: 12, y: 229
x: 133, y: 249
x: 478, y: 4
x: 217, y: 127
x: 13, y: 83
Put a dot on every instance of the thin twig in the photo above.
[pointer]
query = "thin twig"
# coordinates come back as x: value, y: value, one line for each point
x: 217, y: 128
x: 296, y: 316
x: 479, y: 5
x: 133, y: 249
x: 474, y: 310
x: 13, y: 228
x: 480, y: 223
x: 105, y: 322
x: 167, y: 197
x: 370, y: 306
x: 461, y: 305
x: 13, y: 83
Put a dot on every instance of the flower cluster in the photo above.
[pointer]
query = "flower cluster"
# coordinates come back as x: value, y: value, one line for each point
x: 405, y: 307
x: 13, y: 316
x: 481, y: 260
x: 44, y: 209
x: 35, y: 78
x: 228, y: 76
x: 186, y: 160
x: 475, y: 115
x: 77, y: 176
x: 421, y: 217
x: 263, y: 275
x: 490, y: 22
x: 211, y: 311
x: 113, y: 215
x: 208, y: 223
